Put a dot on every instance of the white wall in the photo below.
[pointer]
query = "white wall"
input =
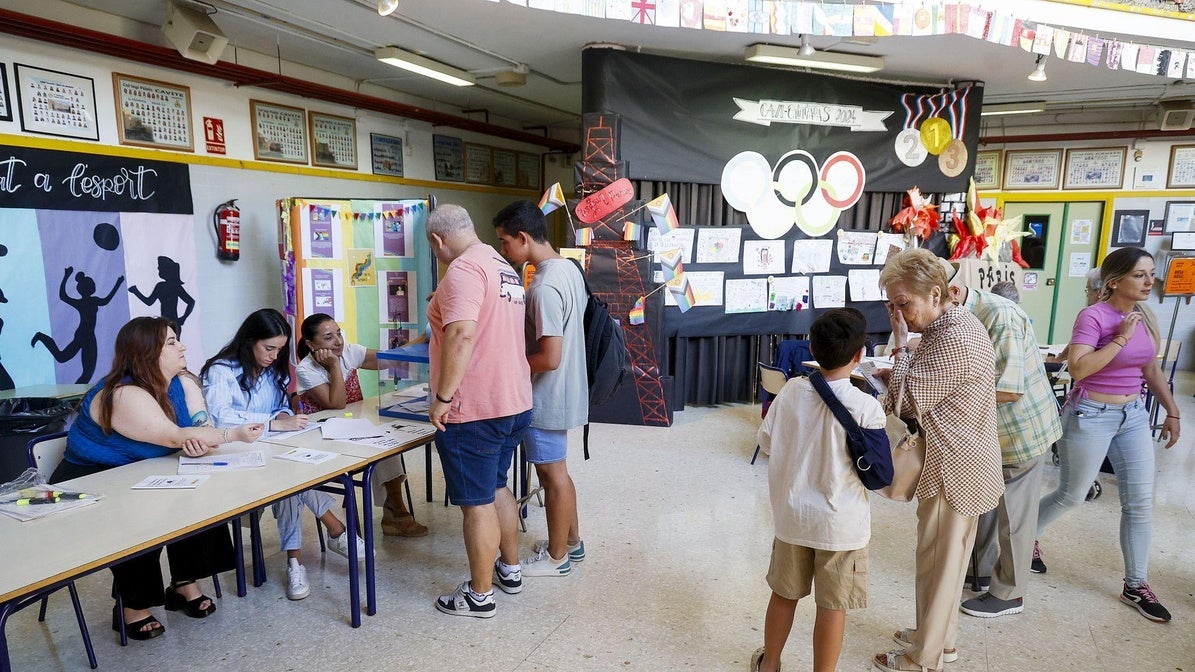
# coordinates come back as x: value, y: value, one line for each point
x: 230, y: 290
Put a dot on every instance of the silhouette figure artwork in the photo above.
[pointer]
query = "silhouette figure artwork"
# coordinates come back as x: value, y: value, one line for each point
x: 5, y: 379
x: 168, y: 293
x: 88, y: 306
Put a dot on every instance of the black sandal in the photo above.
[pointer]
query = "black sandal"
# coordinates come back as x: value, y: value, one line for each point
x: 176, y: 602
x: 136, y: 630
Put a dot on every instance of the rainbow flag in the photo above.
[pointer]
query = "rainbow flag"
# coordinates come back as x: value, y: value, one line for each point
x: 663, y: 213
x: 638, y: 312
x: 584, y: 237
x: 630, y: 231
x: 683, y: 295
x: 553, y: 198
x: 671, y: 264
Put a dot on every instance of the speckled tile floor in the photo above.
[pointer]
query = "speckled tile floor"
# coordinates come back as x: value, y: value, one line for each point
x: 677, y: 530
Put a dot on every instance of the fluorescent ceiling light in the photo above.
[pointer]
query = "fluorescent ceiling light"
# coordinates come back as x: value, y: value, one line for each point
x: 1013, y: 108
x: 820, y: 60
x: 400, y: 58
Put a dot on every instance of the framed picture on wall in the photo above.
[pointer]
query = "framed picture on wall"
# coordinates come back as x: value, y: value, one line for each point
x: 449, y: 156
x: 1182, y: 167
x: 528, y: 170
x: 333, y: 141
x: 152, y: 114
x: 56, y: 103
x: 479, y: 163
x: 1180, y: 217
x: 385, y: 153
x: 1032, y: 168
x: 1099, y: 168
x: 279, y: 132
x: 506, y: 167
x: 5, y: 99
x: 987, y: 169
x: 1129, y: 228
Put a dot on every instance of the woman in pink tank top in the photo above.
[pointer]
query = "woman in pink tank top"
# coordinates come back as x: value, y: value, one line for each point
x: 327, y: 379
x: 1112, y: 353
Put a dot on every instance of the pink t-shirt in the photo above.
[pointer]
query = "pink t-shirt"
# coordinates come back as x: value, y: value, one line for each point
x: 1096, y: 326
x: 481, y: 287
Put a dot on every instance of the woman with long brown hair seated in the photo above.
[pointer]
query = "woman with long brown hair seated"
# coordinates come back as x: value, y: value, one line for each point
x: 148, y: 407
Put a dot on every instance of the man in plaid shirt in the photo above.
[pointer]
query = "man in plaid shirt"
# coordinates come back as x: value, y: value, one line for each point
x: 1028, y: 424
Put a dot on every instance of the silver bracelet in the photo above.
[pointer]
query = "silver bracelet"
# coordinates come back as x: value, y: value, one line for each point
x: 225, y: 435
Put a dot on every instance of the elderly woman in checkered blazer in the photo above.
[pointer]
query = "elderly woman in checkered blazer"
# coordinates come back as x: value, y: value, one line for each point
x: 949, y: 387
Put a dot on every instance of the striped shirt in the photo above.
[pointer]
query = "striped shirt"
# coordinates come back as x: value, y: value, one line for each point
x: 949, y: 382
x: 1029, y: 425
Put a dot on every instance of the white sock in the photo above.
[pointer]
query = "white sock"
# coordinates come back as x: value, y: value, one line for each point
x: 293, y: 562
x: 474, y: 593
x: 506, y: 569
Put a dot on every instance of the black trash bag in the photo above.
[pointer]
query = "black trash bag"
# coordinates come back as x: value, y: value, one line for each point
x: 21, y: 421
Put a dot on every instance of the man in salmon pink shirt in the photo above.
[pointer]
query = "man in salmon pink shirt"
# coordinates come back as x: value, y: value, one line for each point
x: 481, y: 402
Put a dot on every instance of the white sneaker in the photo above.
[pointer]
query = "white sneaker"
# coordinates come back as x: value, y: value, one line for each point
x: 543, y: 564
x: 296, y: 580
x: 464, y: 602
x: 340, y: 546
x: 575, y: 553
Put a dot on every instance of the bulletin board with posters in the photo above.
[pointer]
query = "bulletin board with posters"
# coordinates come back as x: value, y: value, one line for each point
x: 364, y: 262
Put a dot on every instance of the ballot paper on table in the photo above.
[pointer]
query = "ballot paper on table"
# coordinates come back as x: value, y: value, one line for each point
x: 398, y: 433
x: 217, y: 462
x: 870, y: 374
x: 350, y: 428
x: 306, y: 455
x: 281, y: 436
x: 170, y: 482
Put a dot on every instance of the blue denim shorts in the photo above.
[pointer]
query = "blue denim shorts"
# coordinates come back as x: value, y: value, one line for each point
x: 476, y: 456
x: 545, y: 446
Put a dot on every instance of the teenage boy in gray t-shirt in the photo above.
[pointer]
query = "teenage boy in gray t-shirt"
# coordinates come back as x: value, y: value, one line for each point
x: 555, y: 331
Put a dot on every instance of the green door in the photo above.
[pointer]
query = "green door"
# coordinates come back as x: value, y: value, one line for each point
x: 1060, y: 246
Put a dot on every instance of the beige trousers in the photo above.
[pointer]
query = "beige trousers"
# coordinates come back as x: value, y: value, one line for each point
x: 944, y: 540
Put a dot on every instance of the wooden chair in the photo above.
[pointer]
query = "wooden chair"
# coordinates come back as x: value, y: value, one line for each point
x: 771, y: 381
x: 44, y: 453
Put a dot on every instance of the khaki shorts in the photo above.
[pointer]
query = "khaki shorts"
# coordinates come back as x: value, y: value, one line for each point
x: 840, y: 576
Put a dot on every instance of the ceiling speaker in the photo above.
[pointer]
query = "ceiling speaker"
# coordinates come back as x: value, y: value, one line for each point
x: 193, y: 33
x: 1178, y: 115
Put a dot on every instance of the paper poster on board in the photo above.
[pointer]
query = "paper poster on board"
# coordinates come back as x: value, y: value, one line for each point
x: 864, y: 284
x: 856, y: 248
x: 788, y: 292
x: 1081, y: 232
x: 707, y: 288
x: 763, y: 257
x: 747, y: 295
x: 1080, y: 264
x: 323, y: 292
x: 319, y: 230
x: 392, y: 235
x: 396, y: 296
x: 885, y: 244
x: 676, y: 239
x: 829, y: 291
x: 812, y: 256
x: 718, y: 245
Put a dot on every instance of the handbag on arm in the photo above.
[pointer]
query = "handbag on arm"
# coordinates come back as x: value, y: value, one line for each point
x: 869, y: 448
x: 908, y: 454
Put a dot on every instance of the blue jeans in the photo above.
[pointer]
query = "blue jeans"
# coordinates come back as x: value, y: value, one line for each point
x: 1091, y: 430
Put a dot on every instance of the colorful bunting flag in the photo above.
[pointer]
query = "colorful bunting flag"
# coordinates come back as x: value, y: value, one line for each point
x: 663, y: 214
x: 630, y: 231
x: 584, y: 237
x: 638, y: 312
x: 552, y: 199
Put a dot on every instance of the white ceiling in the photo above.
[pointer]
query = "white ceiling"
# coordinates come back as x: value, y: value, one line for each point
x: 339, y: 36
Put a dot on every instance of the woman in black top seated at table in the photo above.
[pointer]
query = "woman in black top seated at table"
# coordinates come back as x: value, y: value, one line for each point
x: 144, y: 409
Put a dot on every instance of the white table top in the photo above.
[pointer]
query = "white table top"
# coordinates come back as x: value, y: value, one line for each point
x: 368, y: 410
x: 45, y: 551
x: 46, y: 391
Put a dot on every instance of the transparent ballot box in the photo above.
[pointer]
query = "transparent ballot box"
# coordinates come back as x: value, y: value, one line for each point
x: 402, y: 382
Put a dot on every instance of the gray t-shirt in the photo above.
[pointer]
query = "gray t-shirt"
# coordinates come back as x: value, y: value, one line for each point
x: 556, y: 307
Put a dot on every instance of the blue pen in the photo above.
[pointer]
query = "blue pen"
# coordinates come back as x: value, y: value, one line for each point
x: 219, y: 464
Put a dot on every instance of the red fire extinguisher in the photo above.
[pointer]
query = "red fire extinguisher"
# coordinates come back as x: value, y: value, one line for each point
x: 227, y: 222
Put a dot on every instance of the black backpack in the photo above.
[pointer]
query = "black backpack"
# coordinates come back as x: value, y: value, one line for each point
x: 606, y: 356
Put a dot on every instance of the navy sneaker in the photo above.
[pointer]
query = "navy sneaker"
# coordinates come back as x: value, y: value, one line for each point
x: 464, y: 602
x: 1144, y: 600
x: 509, y: 583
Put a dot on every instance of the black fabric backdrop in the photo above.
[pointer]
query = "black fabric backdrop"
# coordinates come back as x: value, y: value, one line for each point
x: 678, y: 119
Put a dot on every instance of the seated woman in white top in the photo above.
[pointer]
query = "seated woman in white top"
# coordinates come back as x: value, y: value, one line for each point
x: 327, y: 378
x: 246, y: 382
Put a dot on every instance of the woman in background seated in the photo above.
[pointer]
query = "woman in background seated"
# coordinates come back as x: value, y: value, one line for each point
x: 327, y: 374
x: 949, y: 386
x: 246, y: 382
x: 1113, y: 351
x: 144, y: 409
